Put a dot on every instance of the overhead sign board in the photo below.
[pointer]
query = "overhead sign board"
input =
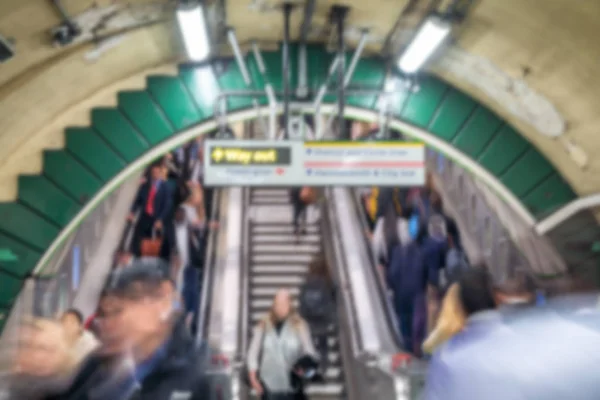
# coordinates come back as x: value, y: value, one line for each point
x: 297, y: 163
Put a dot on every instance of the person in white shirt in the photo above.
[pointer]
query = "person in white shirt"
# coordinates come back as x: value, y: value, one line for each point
x: 182, y: 245
x: 82, y: 342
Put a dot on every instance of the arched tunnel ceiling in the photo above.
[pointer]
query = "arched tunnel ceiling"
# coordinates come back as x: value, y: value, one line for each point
x: 553, y: 38
x: 42, y: 86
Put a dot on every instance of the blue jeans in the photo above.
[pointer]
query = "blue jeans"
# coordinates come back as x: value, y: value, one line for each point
x: 405, y: 313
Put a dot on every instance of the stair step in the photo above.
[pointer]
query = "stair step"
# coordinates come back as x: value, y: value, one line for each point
x: 269, y: 192
x: 324, y: 389
x: 279, y: 259
x: 286, y: 239
x: 265, y: 304
x: 269, y: 292
x: 278, y: 269
x: 254, y: 200
x: 272, y: 213
x: 284, y: 228
x: 284, y: 259
x: 277, y: 281
x: 289, y: 248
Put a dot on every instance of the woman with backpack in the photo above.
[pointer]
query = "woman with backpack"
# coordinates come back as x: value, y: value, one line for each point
x: 317, y: 304
x: 301, y: 198
x: 280, y: 343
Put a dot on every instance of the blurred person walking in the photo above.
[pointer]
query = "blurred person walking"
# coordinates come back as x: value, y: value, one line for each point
x: 279, y: 342
x: 317, y: 305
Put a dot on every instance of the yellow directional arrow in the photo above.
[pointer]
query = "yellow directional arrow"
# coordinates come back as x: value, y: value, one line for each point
x: 217, y: 154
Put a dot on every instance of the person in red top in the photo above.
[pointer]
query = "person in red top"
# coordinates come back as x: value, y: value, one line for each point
x: 153, y: 201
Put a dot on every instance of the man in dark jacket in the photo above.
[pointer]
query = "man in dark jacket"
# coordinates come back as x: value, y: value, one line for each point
x: 154, y: 201
x: 147, y: 352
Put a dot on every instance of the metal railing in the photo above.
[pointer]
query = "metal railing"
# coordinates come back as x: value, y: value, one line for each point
x: 383, y: 291
x: 208, y: 272
x: 491, y: 231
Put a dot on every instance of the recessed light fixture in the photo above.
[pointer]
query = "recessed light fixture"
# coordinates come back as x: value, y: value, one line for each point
x: 430, y: 36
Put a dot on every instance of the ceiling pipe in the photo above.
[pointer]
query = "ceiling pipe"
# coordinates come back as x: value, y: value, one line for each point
x: 323, y: 88
x: 287, y: 11
x: 219, y: 100
x: 357, y: 54
x: 241, y: 62
x: 340, y: 14
x: 239, y: 58
x: 63, y: 13
x: 309, y: 11
x: 272, y: 128
x: 319, y: 131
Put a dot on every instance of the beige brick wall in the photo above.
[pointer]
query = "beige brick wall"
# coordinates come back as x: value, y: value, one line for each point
x: 38, y: 104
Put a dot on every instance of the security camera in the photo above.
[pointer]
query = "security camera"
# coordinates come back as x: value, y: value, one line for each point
x: 64, y: 34
x: 6, y: 50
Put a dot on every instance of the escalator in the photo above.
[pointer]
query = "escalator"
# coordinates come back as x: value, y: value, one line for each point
x: 267, y: 256
x: 277, y: 258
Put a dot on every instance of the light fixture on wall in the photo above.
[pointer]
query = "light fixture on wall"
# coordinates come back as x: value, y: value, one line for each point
x: 430, y: 36
x: 192, y: 23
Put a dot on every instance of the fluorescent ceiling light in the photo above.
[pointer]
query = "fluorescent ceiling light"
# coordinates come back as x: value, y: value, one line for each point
x: 193, y: 29
x: 430, y: 36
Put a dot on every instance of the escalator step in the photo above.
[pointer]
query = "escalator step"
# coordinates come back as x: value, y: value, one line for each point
x: 277, y: 281
x: 276, y: 269
x: 269, y: 192
x: 287, y: 248
x: 282, y: 259
x: 279, y: 259
x: 286, y: 239
x: 282, y: 227
x: 269, y: 292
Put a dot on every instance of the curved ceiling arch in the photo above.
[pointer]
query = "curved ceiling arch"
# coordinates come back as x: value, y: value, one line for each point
x: 173, y: 109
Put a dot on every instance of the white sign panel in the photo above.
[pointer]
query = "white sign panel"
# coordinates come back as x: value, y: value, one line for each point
x: 297, y: 163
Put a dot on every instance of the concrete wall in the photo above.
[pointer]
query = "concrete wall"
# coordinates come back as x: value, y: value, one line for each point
x: 41, y: 95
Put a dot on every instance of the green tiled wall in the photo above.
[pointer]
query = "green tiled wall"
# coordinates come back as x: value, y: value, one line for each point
x: 117, y: 136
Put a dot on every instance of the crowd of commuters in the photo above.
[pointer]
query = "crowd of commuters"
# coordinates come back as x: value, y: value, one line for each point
x: 170, y: 220
x: 140, y: 343
x: 485, y: 339
x: 419, y: 255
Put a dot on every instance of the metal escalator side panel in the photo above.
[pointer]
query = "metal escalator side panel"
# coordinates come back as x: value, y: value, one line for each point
x: 369, y: 313
x: 349, y: 340
x: 208, y: 272
x: 381, y: 289
x: 224, y: 305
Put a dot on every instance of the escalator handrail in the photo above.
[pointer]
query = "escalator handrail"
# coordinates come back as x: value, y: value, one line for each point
x: 328, y: 213
x: 390, y: 316
x: 245, y: 278
x: 208, y: 270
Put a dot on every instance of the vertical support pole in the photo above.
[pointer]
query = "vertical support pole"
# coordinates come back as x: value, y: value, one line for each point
x: 287, y: 11
x: 223, y: 116
x: 302, y: 89
x: 357, y: 53
x: 272, y: 126
x: 340, y: 14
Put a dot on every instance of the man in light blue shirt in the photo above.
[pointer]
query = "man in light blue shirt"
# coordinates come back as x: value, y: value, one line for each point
x: 546, y: 353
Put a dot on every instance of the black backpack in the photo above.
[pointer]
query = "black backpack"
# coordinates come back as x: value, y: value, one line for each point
x: 316, y: 300
x: 456, y: 264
